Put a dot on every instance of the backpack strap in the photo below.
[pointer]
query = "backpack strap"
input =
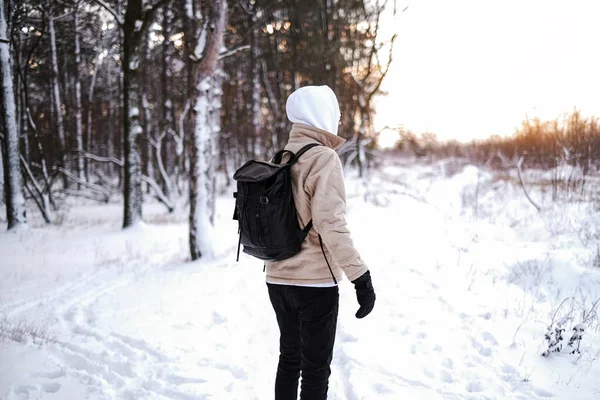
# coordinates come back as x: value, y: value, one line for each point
x: 302, y: 151
x: 279, y: 156
x: 292, y: 160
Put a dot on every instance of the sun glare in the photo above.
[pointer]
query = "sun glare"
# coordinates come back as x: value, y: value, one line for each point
x: 469, y: 69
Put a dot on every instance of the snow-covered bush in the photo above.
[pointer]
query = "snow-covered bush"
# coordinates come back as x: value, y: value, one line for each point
x: 556, y: 334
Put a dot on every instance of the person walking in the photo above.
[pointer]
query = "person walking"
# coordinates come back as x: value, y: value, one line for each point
x: 303, y: 289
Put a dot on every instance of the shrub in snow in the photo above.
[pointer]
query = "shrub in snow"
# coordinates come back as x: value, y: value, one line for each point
x: 555, y: 335
x: 21, y: 331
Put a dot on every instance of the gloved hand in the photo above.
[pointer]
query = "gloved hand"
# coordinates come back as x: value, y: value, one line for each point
x: 364, y: 294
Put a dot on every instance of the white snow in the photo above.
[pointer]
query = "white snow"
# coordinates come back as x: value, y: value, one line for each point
x: 137, y: 129
x: 134, y: 64
x: 134, y: 112
x: 138, y: 25
x: 468, y: 277
x: 201, y: 44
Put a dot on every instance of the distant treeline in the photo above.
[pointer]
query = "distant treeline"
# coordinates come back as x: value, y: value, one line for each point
x: 571, y: 142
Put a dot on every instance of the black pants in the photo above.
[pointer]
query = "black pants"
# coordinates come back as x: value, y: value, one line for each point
x: 307, y: 318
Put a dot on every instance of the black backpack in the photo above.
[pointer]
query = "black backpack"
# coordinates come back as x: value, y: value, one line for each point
x: 265, y: 210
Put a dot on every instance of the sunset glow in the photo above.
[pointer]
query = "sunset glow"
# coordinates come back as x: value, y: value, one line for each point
x: 469, y: 69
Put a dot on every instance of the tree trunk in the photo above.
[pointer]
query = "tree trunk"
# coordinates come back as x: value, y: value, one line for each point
x: 147, y: 159
x: 207, y: 44
x: 167, y: 123
x: 132, y: 190
x: 360, y: 151
x: 15, y: 202
x: 78, y: 116
x: 88, y: 123
x: 56, y: 89
x: 2, y: 188
x: 255, y: 89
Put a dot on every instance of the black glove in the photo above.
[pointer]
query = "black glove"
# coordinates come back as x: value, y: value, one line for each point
x: 364, y: 294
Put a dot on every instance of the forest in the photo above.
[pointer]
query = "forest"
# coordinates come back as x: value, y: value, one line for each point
x: 152, y: 99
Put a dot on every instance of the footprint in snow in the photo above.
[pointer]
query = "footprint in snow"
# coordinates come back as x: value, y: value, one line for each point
x: 23, y: 390
x: 380, y: 388
x: 218, y: 318
x: 543, y: 393
x: 488, y: 337
x: 486, y: 315
x: 485, y: 351
x: 446, y: 377
x: 51, y: 387
x: 474, y: 387
x: 428, y: 373
x: 509, y: 369
x: 50, y: 375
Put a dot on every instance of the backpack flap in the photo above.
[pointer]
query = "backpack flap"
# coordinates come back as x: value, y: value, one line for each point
x: 257, y: 171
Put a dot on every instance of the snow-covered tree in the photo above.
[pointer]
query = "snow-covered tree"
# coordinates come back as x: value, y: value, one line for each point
x: 207, y: 24
x: 15, y: 202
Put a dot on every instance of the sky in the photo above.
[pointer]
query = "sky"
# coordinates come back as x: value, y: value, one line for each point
x: 469, y: 69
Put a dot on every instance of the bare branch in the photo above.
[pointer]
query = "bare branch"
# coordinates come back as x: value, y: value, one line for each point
x: 37, y: 202
x: 523, y: 184
x: 247, y: 8
x: 30, y: 176
x: 159, y: 4
x: 159, y: 193
x: 233, y: 51
x: 113, y: 12
x: 101, y: 159
x: 75, y: 179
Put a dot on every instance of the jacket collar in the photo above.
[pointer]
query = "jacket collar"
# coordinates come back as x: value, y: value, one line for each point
x: 300, y: 133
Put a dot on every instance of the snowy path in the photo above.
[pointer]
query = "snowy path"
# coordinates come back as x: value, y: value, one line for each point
x: 137, y: 322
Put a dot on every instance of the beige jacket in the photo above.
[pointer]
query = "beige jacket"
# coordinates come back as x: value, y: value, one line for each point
x: 319, y: 193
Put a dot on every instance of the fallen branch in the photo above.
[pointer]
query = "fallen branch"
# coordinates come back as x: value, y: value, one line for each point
x: 79, y: 193
x: 103, y: 191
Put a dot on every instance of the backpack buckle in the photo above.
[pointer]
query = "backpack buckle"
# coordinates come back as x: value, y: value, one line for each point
x: 264, y: 200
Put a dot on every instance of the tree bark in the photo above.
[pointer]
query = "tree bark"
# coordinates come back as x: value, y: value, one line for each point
x: 15, y: 202
x: 90, y: 109
x: 56, y: 89
x: 206, y: 42
x: 78, y: 112
x: 137, y: 21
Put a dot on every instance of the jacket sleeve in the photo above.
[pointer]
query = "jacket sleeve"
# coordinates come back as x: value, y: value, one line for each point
x: 325, y: 186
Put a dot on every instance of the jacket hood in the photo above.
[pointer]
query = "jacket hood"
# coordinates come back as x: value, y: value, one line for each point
x: 314, y: 106
x: 302, y: 134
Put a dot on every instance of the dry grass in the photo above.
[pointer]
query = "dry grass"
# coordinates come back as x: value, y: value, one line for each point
x: 22, y: 331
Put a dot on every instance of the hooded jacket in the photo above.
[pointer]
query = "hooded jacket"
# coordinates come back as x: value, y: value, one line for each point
x: 319, y: 193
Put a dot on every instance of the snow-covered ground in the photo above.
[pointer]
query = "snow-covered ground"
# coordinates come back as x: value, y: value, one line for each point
x: 468, y: 277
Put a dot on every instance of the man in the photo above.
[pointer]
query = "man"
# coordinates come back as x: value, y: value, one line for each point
x: 303, y: 289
